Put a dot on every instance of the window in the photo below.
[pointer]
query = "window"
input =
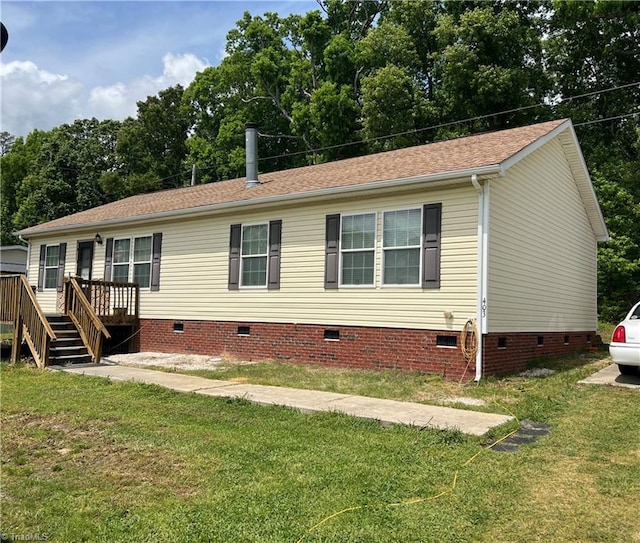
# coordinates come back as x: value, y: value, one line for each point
x: 401, y: 242
x: 134, y: 260
x: 254, y: 255
x: 358, y: 239
x: 411, y: 240
x: 132, y: 265
x: 51, y: 267
x: 51, y: 263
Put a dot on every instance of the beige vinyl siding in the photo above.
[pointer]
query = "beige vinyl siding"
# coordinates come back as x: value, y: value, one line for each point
x: 542, y: 250
x: 195, y: 267
x: 50, y: 300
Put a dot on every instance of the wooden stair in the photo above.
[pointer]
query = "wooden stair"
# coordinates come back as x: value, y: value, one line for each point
x: 68, y: 347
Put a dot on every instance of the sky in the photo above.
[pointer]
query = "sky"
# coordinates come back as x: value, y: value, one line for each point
x: 82, y: 59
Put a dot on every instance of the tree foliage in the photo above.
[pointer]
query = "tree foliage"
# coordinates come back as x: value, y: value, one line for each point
x: 355, y: 77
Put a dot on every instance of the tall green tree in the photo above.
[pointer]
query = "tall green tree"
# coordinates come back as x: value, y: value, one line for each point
x: 594, y: 47
x: 491, y: 61
x: 61, y: 170
x: 152, y: 147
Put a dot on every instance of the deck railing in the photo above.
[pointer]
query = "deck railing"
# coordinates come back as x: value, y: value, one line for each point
x: 113, y: 302
x: 82, y: 313
x: 20, y: 306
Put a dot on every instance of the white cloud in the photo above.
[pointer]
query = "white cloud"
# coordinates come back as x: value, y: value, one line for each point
x: 35, y: 98
x: 119, y: 101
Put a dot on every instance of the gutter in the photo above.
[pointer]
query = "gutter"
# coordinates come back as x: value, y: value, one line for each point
x: 452, y: 176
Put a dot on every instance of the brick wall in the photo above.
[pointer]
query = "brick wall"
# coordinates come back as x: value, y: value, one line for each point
x: 511, y: 353
x: 357, y: 347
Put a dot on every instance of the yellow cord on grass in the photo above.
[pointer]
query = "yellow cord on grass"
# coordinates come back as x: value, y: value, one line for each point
x: 413, y: 501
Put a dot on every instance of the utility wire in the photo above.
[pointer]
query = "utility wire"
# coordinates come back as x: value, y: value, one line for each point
x: 450, y: 123
x: 608, y: 119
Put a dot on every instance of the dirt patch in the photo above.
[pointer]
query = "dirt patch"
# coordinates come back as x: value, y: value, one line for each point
x: 167, y: 360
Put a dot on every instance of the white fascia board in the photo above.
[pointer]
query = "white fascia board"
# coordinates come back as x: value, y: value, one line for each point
x: 543, y: 140
x: 602, y: 233
x: 439, y: 179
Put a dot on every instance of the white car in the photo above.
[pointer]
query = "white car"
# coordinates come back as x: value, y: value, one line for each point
x: 625, y: 343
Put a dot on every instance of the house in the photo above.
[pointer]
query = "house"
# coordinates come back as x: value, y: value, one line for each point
x: 13, y: 259
x: 394, y: 260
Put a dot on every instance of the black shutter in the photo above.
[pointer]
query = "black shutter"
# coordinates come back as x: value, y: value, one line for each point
x: 155, y: 261
x: 275, y: 237
x: 234, y: 256
x: 43, y: 255
x: 332, y: 248
x: 431, y: 229
x: 108, y: 258
x: 62, y: 256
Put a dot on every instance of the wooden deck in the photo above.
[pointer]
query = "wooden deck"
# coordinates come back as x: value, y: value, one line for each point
x: 91, y: 306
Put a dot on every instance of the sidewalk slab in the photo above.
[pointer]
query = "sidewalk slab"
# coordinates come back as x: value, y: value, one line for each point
x: 175, y: 381
x: 422, y: 415
x: 309, y: 401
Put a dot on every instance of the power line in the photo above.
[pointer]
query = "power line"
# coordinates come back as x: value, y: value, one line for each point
x: 451, y: 123
x: 609, y: 119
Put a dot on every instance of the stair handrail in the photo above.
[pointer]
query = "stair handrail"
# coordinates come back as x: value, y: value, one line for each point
x: 20, y: 304
x: 92, y: 330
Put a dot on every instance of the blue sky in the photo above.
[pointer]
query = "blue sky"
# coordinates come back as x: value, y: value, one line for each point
x: 82, y: 59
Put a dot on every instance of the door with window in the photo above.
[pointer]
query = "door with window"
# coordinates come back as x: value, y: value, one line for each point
x: 85, y: 259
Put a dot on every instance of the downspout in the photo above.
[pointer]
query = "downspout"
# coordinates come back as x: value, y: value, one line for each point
x: 482, y: 258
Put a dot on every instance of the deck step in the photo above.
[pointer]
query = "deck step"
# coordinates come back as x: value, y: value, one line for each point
x: 68, y: 346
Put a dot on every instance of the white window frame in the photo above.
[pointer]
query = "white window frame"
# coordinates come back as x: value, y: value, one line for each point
x: 132, y: 262
x: 242, y: 256
x: 384, y: 249
x: 56, y: 267
x: 341, y: 284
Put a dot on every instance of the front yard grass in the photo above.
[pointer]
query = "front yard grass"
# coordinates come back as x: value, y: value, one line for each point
x: 86, y: 459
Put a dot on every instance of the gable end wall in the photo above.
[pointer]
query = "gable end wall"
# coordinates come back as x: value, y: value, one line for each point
x: 542, y: 250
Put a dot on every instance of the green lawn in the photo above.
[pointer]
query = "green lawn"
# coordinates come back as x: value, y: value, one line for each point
x: 84, y: 459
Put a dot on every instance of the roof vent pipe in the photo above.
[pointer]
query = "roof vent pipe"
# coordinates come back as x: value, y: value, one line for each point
x: 251, y: 147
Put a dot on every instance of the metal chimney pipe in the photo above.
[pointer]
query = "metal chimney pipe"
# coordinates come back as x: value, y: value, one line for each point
x: 251, y: 148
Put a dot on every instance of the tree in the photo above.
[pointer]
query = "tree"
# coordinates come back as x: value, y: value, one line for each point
x: 14, y: 167
x: 491, y: 61
x: 593, y: 47
x: 60, y: 170
x: 152, y: 147
x: 6, y: 141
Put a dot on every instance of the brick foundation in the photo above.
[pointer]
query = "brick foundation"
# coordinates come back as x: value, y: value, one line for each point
x: 357, y: 347
x: 521, y: 348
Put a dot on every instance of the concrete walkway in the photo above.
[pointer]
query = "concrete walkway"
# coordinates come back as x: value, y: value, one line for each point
x: 611, y: 376
x: 385, y: 411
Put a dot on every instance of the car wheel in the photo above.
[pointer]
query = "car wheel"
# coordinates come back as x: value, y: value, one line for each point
x: 628, y: 370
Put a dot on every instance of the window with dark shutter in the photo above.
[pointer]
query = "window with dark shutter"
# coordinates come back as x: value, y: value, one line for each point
x: 234, y: 256
x: 275, y: 238
x: 431, y: 234
x: 332, y: 248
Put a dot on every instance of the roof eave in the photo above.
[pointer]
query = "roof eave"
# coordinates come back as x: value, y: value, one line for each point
x: 452, y: 176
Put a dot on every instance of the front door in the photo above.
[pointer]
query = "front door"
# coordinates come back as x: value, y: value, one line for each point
x: 85, y: 259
